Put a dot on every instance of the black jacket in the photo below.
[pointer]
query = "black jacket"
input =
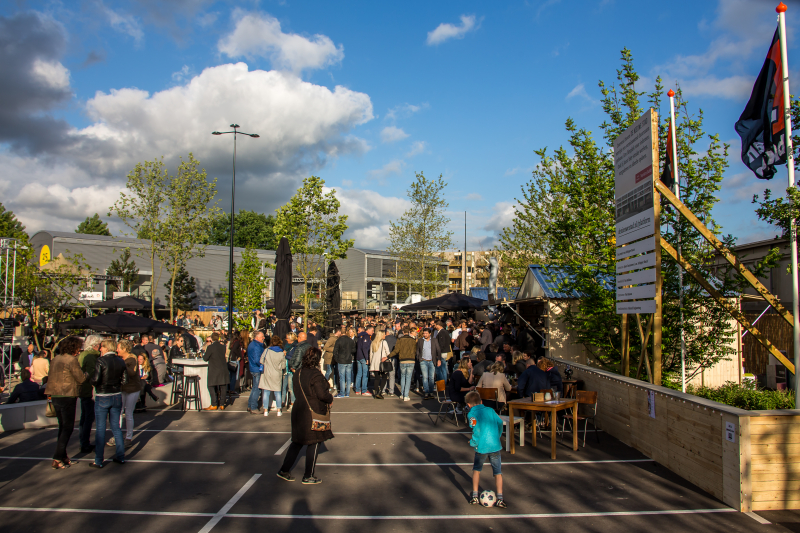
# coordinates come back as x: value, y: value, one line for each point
x: 443, y: 338
x: 297, y: 355
x: 109, y: 374
x: 344, y: 350
x: 27, y: 391
x: 217, y: 366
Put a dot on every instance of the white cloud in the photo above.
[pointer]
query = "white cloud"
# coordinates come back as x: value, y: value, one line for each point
x: 404, y: 110
x: 732, y: 87
x: 502, y: 215
x: 126, y: 24
x: 392, y: 167
x: 51, y: 73
x: 579, y: 91
x: 446, y: 31
x: 517, y: 170
x: 368, y: 215
x: 391, y: 134
x: 207, y: 19
x: 182, y: 75
x: 260, y: 35
x: 417, y: 147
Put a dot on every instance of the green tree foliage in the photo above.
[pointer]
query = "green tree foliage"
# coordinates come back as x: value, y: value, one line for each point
x: 566, y: 218
x: 124, y: 267
x: 420, y: 233
x: 251, y: 230
x: 311, y: 223
x: 93, y: 226
x: 183, y: 289
x: 250, y: 283
x: 10, y: 227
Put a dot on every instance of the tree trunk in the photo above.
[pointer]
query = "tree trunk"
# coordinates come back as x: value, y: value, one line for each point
x: 172, y: 294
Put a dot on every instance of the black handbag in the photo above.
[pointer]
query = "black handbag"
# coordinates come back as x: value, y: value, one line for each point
x: 387, y: 366
x: 232, y: 367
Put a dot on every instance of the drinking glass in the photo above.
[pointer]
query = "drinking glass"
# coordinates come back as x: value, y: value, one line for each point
x: 547, y: 396
x: 556, y: 395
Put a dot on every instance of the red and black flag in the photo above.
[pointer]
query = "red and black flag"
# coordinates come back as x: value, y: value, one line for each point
x: 667, y: 174
x: 762, y: 124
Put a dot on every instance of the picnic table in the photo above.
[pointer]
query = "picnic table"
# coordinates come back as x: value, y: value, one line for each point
x: 552, y: 407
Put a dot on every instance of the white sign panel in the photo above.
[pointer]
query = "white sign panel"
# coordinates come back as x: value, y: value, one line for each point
x: 640, y: 261
x: 639, y: 247
x: 635, y: 278
x: 651, y: 403
x: 637, y: 226
x: 637, y: 293
x: 92, y: 296
x: 632, y: 308
x: 116, y: 295
x: 730, y: 432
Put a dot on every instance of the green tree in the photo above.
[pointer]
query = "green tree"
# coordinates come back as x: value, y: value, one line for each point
x: 183, y: 289
x: 93, y: 226
x: 314, y: 228
x: 124, y: 267
x: 10, y: 226
x: 144, y: 210
x: 419, y: 233
x: 251, y: 230
x: 190, y: 209
x: 250, y: 283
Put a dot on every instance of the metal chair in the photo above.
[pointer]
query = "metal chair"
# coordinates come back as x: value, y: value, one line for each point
x: 444, y: 401
x: 589, y: 399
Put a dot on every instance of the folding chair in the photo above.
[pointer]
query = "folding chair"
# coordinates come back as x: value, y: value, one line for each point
x: 444, y: 401
x: 589, y: 399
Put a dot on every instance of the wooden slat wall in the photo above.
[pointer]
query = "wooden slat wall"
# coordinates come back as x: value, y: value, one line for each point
x: 775, y: 460
x: 777, y: 330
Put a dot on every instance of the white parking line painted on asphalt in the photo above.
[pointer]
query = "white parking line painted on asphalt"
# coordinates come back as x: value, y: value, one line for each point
x: 283, y: 448
x: 88, y: 458
x: 754, y: 516
x: 102, y: 511
x: 227, y: 507
x: 523, y: 463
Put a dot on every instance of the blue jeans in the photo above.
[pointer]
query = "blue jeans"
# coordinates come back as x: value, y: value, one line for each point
x: 234, y: 376
x: 428, y: 370
x: 265, y: 398
x: 362, y: 376
x: 345, y: 379
x: 287, y: 387
x: 87, y: 419
x: 108, y: 408
x: 406, y: 372
x: 480, y: 458
x: 252, y: 402
x: 441, y: 371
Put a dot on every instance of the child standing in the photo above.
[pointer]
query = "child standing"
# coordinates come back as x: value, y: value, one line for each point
x: 486, y: 430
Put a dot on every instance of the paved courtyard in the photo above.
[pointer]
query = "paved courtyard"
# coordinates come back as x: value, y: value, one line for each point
x: 388, y: 469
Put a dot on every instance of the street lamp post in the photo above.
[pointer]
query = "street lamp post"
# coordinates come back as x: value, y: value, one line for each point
x: 233, y: 197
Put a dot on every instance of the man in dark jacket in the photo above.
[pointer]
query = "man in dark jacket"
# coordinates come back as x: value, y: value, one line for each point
x: 343, y: 352
x: 218, y: 377
x: 26, y: 390
x: 532, y: 380
x: 312, y: 336
x: 362, y: 360
x: 442, y: 336
x: 429, y: 357
x: 295, y: 361
x: 254, y: 351
x: 109, y: 376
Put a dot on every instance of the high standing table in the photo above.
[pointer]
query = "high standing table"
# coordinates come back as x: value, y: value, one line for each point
x: 196, y: 367
x: 526, y: 404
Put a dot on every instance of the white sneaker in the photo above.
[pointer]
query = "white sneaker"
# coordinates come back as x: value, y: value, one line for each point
x: 279, y: 413
x: 266, y: 412
x: 406, y: 399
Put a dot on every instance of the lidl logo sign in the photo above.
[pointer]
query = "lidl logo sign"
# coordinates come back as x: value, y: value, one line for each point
x: 44, y: 255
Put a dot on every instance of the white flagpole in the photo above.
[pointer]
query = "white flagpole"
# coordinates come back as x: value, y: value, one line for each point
x: 781, y: 9
x: 677, y: 183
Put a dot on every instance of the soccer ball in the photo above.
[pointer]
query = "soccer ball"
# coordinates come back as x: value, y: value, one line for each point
x: 488, y: 498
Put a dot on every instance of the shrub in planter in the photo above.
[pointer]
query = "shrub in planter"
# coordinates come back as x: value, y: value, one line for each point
x: 746, y: 396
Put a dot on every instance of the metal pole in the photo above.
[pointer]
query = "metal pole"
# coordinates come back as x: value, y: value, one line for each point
x: 781, y: 9
x: 464, y: 258
x: 676, y: 178
x: 230, y: 261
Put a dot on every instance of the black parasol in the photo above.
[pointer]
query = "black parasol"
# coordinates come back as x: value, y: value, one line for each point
x: 333, y: 298
x: 270, y: 304
x: 449, y: 302
x: 126, y: 302
x: 283, y: 288
x: 120, y: 323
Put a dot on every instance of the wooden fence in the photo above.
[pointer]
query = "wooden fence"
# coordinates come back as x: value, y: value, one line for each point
x: 777, y: 330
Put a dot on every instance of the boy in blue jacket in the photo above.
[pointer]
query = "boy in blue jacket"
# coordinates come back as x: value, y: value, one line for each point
x: 486, y: 430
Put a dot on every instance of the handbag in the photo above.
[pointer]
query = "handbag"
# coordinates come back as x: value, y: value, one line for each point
x: 232, y: 367
x: 319, y: 422
x: 386, y: 366
x: 50, y: 412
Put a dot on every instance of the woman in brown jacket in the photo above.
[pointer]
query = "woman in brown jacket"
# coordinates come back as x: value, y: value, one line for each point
x: 131, y: 389
x: 311, y: 391
x: 62, y: 386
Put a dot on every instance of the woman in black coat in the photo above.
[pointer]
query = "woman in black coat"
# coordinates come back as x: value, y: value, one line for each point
x: 311, y: 393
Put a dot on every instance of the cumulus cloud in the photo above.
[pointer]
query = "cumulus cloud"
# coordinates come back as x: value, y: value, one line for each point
x: 369, y: 214
x: 391, y: 134
x: 124, y: 23
x: 395, y: 166
x: 417, y: 147
x: 502, y: 215
x: 446, y: 31
x: 260, y: 35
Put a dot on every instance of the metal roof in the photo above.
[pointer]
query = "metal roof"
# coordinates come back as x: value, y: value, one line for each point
x: 552, y: 277
x: 502, y: 293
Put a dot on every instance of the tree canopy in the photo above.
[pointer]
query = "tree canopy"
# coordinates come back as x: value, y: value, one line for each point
x: 10, y: 226
x: 93, y: 226
x: 251, y: 230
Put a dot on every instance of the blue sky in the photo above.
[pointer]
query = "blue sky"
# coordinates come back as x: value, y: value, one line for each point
x: 362, y: 94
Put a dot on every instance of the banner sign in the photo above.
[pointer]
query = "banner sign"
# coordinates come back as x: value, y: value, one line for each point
x: 634, y: 293
x: 639, y: 247
x: 92, y: 296
x: 635, y: 278
x: 116, y: 295
x: 640, y: 261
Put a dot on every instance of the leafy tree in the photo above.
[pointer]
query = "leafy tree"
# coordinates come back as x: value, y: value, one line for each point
x: 93, y: 226
x: 419, y: 233
x: 183, y: 289
x: 314, y: 228
x: 125, y: 268
x: 250, y: 283
x: 251, y: 230
x: 10, y: 227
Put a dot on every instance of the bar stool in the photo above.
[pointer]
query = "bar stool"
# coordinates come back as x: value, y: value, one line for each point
x: 177, y: 384
x: 191, y: 393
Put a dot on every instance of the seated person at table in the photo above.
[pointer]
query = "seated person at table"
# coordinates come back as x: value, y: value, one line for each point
x: 518, y: 362
x: 27, y: 390
x: 553, y: 375
x: 532, y: 380
x: 486, y: 430
x: 461, y: 381
x: 496, y: 379
x: 482, y: 365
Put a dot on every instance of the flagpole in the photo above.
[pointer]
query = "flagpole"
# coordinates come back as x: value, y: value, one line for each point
x: 676, y: 179
x: 781, y: 9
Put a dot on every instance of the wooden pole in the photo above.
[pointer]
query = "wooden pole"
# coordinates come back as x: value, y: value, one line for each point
x: 657, y: 215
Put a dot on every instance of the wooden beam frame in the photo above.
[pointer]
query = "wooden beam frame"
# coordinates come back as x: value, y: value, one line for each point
x: 737, y: 314
x: 727, y: 254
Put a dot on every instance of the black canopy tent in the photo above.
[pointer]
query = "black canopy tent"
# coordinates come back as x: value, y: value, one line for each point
x: 448, y: 302
x: 120, y: 323
x: 270, y: 304
x: 126, y: 302
x: 283, y: 288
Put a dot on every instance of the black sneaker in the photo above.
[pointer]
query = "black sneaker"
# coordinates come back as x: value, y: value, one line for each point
x: 287, y: 476
x: 501, y: 504
x: 311, y: 480
x: 474, y: 500
x: 120, y: 461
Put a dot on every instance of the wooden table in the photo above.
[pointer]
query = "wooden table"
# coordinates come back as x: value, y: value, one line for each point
x: 552, y: 407
x: 570, y: 386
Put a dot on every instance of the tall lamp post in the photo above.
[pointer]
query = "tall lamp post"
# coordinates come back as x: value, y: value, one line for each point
x: 233, y: 197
